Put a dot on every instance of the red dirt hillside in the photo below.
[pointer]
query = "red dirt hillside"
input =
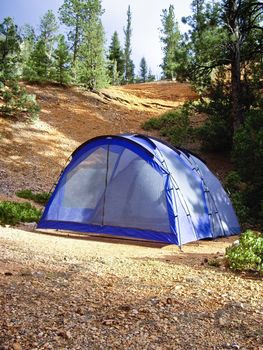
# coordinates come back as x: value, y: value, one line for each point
x: 32, y: 155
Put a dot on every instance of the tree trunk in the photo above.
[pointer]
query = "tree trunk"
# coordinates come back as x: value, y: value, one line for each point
x: 237, y: 117
x: 76, y: 42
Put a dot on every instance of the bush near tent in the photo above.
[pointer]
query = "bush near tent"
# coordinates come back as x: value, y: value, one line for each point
x: 247, y: 253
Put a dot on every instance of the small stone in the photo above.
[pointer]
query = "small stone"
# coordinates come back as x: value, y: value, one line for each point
x: 134, y: 311
x: 193, y: 280
x: 17, y: 346
x: 80, y: 311
x: 125, y: 307
x: 108, y: 322
x: 222, y: 321
x: 38, y: 274
x: 68, y: 335
x: 8, y: 273
x: 26, y: 273
x: 29, y: 224
x: 64, y: 334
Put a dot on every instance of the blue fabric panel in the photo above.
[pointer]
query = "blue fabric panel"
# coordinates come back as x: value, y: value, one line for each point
x: 191, y: 189
x: 184, y: 228
x: 170, y: 203
x: 119, y: 142
x: 169, y: 238
x: 223, y: 204
x: 144, y: 143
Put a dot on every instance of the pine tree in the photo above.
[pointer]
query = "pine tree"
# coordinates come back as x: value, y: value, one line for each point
x: 9, y: 50
x: 27, y: 47
x: 73, y: 13
x: 171, y: 38
x: 40, y: 62
x: 205, y: 42
x: 143, y: 70
x: 15, y: 99
x: 150, y: 76
x: 91, y: 66
x: 114, y: 74
x: 48, y: 29
x: 226, y: 34
x: 62, y: 61
x: 128, y: 63
x: 243, y: 24
x: 116, y: 60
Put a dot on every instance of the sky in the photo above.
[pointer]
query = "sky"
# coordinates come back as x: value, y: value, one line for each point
x: 146, y: 21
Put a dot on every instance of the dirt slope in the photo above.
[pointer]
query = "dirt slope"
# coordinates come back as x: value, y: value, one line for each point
x: 32, y: 155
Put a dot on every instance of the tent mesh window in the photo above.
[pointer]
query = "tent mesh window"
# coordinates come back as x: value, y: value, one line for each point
x: 113, y: 186
x: 135, y: 195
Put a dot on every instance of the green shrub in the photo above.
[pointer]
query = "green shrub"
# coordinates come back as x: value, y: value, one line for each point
x: 248, y: 146
x: 247, y: 156
x: 175, y: 125
x: 215, y: 135
x: 242, y: 210
x: 18, y: 102
x: 40, y: 198
x: 232, y: 181
x: 12, y: 213
x: 237, y: 191
x: 153, y: 124
x: 247, y: 255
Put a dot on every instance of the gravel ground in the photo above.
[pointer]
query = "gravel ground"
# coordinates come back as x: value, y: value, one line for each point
x: 72, y: 293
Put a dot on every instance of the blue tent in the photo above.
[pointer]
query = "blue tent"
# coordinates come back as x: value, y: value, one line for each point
x: 138, y: 186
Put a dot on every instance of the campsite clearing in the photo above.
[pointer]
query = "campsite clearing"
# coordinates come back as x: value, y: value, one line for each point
x: 63, y: 293
x: 73, y: 293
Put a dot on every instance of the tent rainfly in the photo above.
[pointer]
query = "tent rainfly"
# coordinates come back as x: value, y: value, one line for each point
x: 140, y: 187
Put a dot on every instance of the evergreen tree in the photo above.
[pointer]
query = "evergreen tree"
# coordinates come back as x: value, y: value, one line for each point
x: 40, y: 63
x: 73, y: 13
x: 242, y: 22
x: 171, y: 39
x: 48, y: 29
x: 227, y: 33
x: 27, y: 47
x: 114, y: 74
x: 205, y: 44
x: 150, y: 76
x: 62, y: 61
x: 128, y: 63
x: 91, y: 69
x: 15, y: 99
x: 116, y: 60
x: 9, y: 50
x: 143, y: 70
